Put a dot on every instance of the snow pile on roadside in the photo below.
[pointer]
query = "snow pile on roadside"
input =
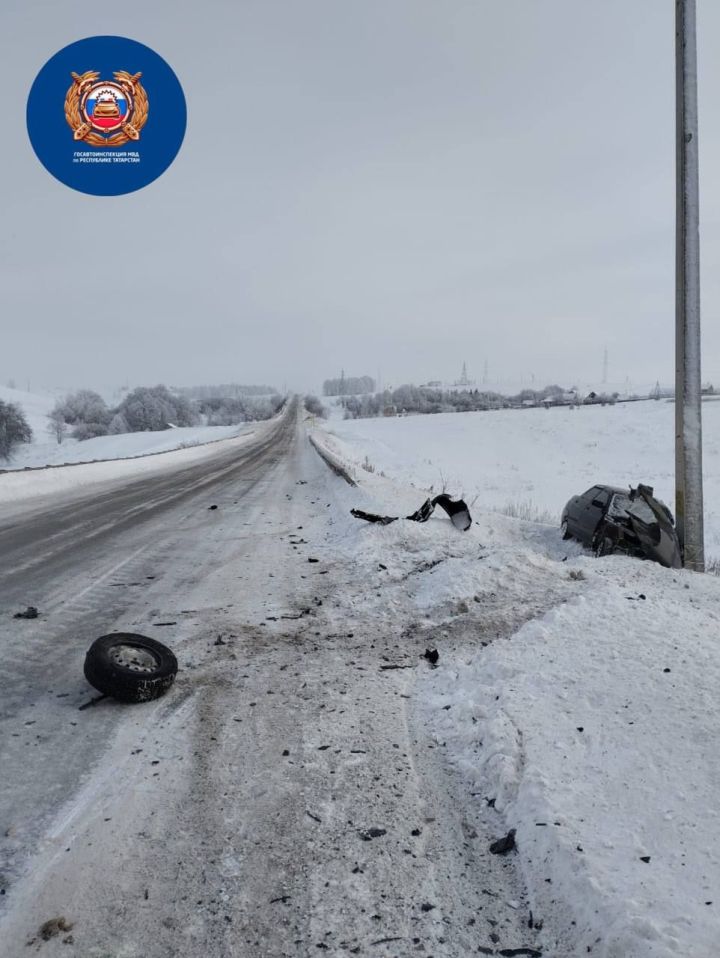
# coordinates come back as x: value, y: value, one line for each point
x: 592, y: 727
x: 124, y: 446
x: 18, y: 485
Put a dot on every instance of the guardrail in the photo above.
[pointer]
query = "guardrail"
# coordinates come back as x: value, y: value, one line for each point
x: 337, y: 465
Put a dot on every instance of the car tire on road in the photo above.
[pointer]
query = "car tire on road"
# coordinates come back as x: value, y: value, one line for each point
x: 130, y: 667
x: 564, y: 530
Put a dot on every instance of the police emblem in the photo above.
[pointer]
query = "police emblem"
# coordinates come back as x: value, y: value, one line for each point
x: 106, y: 112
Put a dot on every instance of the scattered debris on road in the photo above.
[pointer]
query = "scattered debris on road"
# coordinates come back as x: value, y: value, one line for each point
x: 30, y: 613
x: 210, y: 508
x: 369, y: 833
x: 98, y: 698
x: 456, y: 508
x: 504, y: 845
x: 432, y: 655
x: 53, y: 928
x: 517, y: 952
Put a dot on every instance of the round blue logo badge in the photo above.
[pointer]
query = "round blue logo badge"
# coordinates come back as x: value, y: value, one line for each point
x: 106, y: 116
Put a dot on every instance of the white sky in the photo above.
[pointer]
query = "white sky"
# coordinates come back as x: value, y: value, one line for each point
x: 393, y: 185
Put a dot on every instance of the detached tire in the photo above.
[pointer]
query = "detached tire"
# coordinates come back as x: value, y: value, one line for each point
x: 130, y: 667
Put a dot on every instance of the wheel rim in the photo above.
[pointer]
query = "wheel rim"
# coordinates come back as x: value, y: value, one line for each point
x: 133, y: 658
x: 563, y: 527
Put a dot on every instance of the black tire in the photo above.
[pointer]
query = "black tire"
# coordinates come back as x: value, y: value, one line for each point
x: 130, y: 667
x: 564, y: 530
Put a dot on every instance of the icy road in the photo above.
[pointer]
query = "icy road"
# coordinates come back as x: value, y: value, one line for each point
x: 286, y: 796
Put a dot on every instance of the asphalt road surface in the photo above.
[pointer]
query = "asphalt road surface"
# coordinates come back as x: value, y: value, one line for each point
x: 284, y: 797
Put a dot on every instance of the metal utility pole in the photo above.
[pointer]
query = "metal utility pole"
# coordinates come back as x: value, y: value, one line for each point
x: 688, y: 418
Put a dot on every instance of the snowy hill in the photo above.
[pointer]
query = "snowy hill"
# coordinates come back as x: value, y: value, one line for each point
x: 35, y: 406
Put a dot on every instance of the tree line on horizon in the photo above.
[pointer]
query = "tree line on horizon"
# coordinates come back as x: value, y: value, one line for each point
x: 84, y: 414
x: 152, y: 409
x: 428, y: 400
x: 349, y: 386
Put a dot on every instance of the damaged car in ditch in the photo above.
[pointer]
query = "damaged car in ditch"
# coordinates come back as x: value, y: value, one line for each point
x: 608, y: 520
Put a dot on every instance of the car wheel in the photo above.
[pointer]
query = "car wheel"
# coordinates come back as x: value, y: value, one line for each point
x: 564, y: 530
x: 130, y: 667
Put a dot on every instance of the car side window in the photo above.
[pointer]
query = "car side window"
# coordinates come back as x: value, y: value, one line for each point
x: 601, y: 497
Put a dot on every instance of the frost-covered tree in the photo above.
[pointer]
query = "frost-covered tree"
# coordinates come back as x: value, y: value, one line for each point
x: 14, y: 429
x: 89, y: 430
x: 57, y: 427
x: 83, y: 406
x: 118, y: 425
x: 349, y: 386
x: 153, y: 408
x: 86, y: 411
x: 315, y: 407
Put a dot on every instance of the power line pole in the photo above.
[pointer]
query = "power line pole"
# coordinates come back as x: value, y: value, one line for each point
x: 605, y: 365
x: 688, y: 417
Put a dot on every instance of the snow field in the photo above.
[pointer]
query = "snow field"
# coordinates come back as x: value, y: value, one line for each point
x: 536, y: 459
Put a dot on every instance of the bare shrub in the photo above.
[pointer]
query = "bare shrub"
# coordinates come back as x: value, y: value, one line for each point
x: 14, y: 428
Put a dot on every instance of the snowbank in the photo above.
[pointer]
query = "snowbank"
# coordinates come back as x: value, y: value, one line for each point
x: 21, y: 485
x: 591, y: 728
x: 594, y: 729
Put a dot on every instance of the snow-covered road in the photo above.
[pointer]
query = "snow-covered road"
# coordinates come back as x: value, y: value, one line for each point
x: 289, y: 794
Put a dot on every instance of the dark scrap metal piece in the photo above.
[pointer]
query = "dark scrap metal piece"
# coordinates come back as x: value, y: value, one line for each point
x: 30, y: 613
x: 504, y: 845
x: 456, y: 509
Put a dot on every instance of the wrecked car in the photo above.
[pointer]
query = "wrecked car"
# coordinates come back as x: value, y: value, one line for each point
x: 607, y: 520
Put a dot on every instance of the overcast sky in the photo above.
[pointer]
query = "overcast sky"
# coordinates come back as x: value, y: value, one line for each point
x: 391, y: 186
